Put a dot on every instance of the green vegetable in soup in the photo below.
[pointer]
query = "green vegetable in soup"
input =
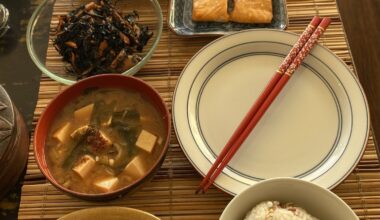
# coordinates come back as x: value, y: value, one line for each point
x: 75, y: 153
x: 102, y: 113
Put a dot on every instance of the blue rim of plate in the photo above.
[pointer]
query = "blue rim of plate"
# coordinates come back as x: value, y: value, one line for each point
x: 365, y: 137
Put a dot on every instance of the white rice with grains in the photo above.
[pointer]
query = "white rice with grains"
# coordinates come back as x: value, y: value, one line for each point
x: 273, y: 210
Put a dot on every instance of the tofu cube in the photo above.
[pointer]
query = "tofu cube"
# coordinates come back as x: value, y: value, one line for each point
x: 108, y: 184
x: 63, y: 133
x: 84, y: 166
x: 136, y: 168
x: 83, y: 115
x: 146, y: 141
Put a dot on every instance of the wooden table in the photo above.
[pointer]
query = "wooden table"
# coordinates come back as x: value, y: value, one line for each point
x: 361, y: 20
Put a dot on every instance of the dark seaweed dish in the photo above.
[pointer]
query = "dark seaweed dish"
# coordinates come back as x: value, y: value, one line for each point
x: 95, y: 38
x: 104, y: 140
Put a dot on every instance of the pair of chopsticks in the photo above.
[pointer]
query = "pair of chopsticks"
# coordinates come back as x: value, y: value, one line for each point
x: 292, y: 61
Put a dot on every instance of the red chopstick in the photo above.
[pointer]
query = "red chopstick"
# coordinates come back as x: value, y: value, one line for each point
x: 290, y: 64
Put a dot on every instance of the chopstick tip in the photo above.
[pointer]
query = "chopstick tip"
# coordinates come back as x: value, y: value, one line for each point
x: 199, y: 190
x: 315, y: 21
x: 325, y: 22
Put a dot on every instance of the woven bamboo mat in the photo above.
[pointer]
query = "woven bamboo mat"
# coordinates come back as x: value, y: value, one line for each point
x: 170, y: 195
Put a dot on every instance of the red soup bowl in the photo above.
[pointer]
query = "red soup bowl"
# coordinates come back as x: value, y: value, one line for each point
x: 99, y: 81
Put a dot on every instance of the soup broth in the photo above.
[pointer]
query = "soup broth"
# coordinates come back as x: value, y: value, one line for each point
x: 103, y: 140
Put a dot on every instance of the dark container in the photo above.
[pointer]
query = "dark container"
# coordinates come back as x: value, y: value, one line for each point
x: 14, y: 144
x: 4, y: 17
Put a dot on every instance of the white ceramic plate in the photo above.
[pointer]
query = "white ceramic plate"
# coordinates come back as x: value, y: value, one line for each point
x: 315, y: 130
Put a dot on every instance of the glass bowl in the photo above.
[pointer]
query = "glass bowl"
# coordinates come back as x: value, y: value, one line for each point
x: 42, y: 25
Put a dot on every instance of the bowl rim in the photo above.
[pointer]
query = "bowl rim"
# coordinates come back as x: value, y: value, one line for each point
x: 108, y: 208
x: 286, y: 180
x: 122, y: 190
x: 131, y: 71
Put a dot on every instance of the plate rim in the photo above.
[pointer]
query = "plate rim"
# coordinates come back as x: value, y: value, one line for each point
x: 352, y: 75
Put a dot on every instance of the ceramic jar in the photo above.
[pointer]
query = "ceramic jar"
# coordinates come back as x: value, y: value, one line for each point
x: 14, y: 143
x: 4, y: 17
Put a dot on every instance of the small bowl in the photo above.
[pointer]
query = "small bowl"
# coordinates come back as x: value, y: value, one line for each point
x: 317, y: 201
x: 99, y: 81
x: 43, y: 22
x: 110, y: 213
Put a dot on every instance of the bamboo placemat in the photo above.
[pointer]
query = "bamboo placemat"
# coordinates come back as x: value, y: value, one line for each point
x: 170, y: 195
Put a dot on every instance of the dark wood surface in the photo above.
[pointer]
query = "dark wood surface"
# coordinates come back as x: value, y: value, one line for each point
x: 20, y: 78
x: 18, y: 74
x: 361, y: 20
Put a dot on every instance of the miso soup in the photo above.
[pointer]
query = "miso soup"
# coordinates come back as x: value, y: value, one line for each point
x: 103, y: 140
